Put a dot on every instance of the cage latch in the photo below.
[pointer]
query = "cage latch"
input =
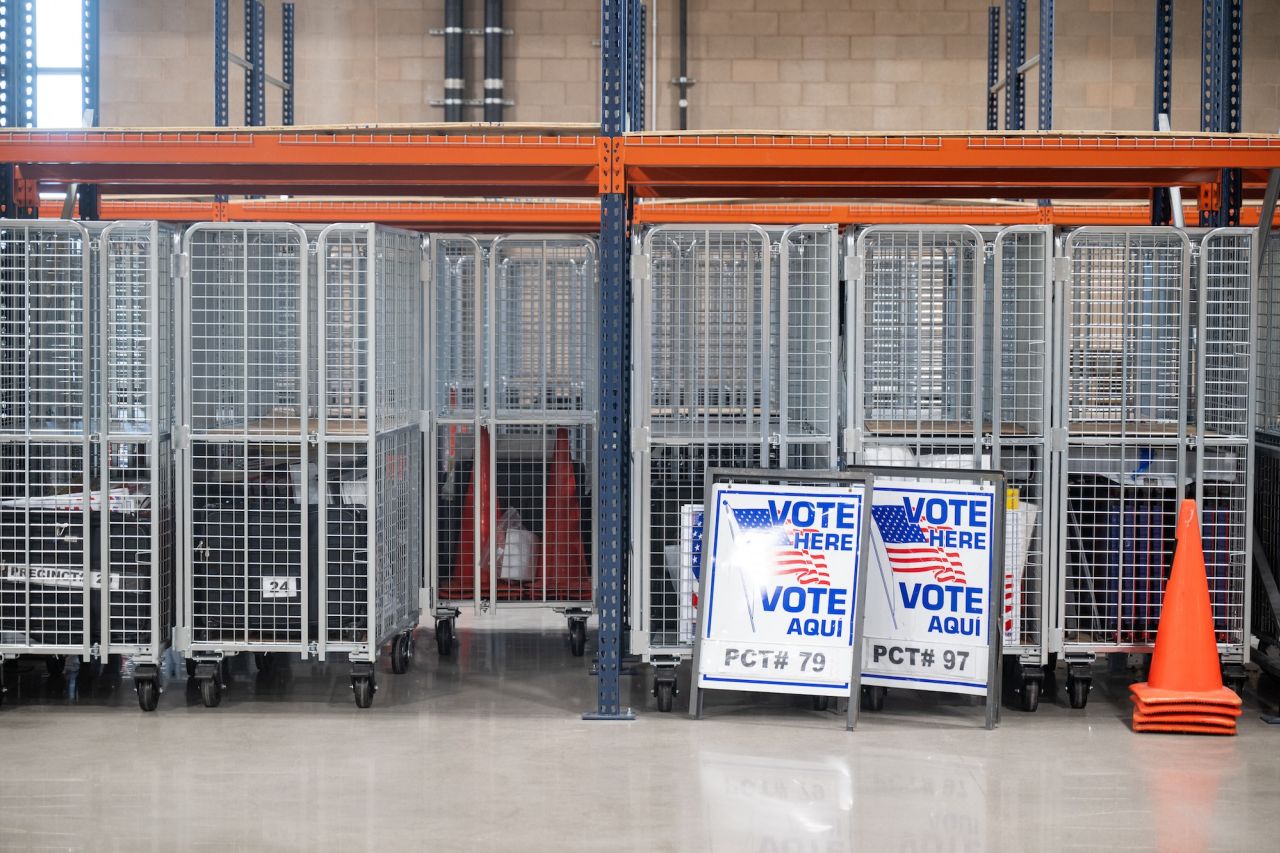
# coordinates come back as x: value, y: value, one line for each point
x: 852, y: 440
x: 854, y: 268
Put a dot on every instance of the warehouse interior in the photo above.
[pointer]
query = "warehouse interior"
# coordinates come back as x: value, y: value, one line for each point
x: 782, y: 425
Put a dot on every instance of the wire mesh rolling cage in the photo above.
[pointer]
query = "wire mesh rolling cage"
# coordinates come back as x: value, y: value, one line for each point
x: 1156, y: 399
x: 735, y: 351
x: 515, y: 342
x: 301, y: 472
x: 1265, y: 606
x: 86, y: 476
x: 949, y: 357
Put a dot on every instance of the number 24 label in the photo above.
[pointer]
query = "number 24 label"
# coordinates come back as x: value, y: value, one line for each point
x: 279, y: 587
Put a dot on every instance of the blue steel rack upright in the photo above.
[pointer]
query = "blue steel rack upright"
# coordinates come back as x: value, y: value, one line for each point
x: 621, y: 110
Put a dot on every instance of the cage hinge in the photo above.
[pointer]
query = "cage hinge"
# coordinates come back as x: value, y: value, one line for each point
x: 184, y: 265
x: 183, y: 441
x: 1058, y: 440
x: 181, y: 637
x: 640, y: 438
x: 852, y: 440
x: 854, y: 268
x: 424, y: 270
x: 1062, y: 269
x: 424, y: 420
x: 313, y: 439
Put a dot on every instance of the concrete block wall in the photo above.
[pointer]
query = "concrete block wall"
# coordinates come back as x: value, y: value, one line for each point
x: 877, y: 65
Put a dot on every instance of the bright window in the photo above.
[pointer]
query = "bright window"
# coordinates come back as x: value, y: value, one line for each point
x: 59, y: 63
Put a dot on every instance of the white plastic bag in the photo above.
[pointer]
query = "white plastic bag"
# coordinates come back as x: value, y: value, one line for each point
x: 518, y: 548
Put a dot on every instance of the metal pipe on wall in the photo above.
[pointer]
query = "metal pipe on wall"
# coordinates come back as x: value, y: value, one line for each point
x: 493, y: 97
x: 683, y: 80
x: 454, y: 76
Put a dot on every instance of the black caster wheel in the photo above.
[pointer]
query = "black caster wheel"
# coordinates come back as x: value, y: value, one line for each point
x: 264, y: 661
x: 444, y: 637
x: 578, y: 637
x: 665, y: 691
x: 1049, y: 687
x: 191, y: 668
x: 873, y: 698
x: 55, y: 665
x: 1078, y: 692
x: 401, y: 653
x: 211, y: 691
x: 364, y: 689
x: 148, y: 693
x: 1030, y: 695
x: 821, y: 703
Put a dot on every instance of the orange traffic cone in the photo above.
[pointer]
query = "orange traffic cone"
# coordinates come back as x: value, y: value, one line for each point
x: 1185, y: 677
x: 464, y: 562
x: 565, y: 571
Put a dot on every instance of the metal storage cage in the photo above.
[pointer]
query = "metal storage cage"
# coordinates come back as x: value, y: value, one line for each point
x: 86, y: 500
x: 1266, y: 484
x: 735, y: 354
x: 1125, y: 385
x: 302, y: 413
x: 949, y: 368
x: 513, y: 393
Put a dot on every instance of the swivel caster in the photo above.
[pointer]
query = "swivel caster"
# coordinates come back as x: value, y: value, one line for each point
x: 444, y: 637
x: 577, y: 637
x: 664, y: 689
x: 1079, y: 681
x: 362, y: 683
x: 402, y: 653
x: 873, y: 698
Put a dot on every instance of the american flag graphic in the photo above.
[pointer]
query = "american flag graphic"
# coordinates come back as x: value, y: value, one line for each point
x: 909, y: 549
x: 798, y: 564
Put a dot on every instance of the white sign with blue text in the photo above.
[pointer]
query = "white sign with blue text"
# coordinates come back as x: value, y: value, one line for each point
x: 781, y: 573
x: 928, y: 602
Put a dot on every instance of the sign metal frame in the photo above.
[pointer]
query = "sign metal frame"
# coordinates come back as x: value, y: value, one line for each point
x: 995, y: 595
x: 762, y: 476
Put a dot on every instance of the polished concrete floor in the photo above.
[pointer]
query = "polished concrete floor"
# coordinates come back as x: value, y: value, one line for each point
x: 486, y: 751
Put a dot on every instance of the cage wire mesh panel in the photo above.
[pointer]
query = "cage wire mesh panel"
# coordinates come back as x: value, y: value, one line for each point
x: 50, y: 516
x: 137, y: 367
x: 369, y: 434
x: 459, y: 274
x: 916, y: 322
x: 1125, y: 362
x: 1017, y: 388
x: 735, y: 351
x: 1224, y: 427
x: 251, y: 522
x: 1266, y: 508
x: 1268, y: 331
x: 515, y: 385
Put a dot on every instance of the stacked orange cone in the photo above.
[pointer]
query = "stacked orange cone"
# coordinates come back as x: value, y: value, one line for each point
x: 464, y: 562
x: 567, y: 576
x: 1184, y: 691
